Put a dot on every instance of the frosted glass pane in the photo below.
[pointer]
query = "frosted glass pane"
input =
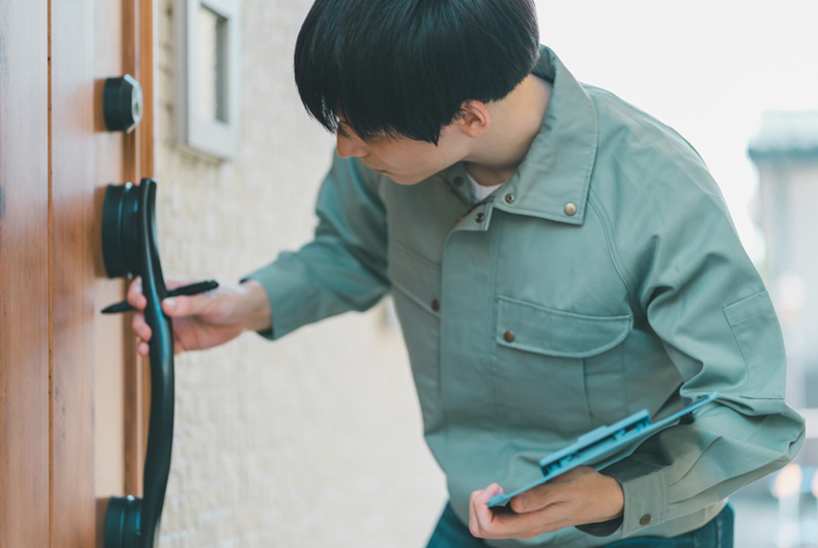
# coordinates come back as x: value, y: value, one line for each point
x: 212, y: 74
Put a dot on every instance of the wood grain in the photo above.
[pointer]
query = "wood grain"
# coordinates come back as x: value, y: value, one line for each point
x: 148, y: 69
x: 24, y: 271
x: 73, y: 222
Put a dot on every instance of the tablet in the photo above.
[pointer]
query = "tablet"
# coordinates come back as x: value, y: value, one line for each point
x: 599, y: 447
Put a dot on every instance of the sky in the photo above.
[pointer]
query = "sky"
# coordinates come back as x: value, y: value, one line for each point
x: 707, y: 68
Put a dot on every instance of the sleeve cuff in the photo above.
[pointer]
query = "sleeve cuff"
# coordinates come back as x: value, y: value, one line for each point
x: 258, y: 275
x: 283, y: 281
x: 645, y: 497
x: 603, y: 528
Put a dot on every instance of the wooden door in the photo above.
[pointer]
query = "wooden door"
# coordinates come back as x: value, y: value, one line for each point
x: 72, y: 404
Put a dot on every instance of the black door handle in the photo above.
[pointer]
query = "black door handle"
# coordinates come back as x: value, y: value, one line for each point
x: 129, y: 247
x: 122, y: 103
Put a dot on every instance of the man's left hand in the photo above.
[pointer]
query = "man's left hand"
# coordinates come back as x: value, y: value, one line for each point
x: 579, y: 496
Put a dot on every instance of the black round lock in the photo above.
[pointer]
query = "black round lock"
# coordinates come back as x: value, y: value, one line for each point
x: 122, y: 103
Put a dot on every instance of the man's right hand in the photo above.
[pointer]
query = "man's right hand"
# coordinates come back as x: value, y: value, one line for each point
x: 205, y: 320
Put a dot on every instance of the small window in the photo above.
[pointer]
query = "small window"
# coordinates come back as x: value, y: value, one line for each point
x: 208, y: 73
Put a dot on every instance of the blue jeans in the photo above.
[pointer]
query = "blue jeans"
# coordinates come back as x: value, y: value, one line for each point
x: 717, y: 533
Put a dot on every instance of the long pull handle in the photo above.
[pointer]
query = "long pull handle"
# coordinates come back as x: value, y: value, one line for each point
x: 130, y: 248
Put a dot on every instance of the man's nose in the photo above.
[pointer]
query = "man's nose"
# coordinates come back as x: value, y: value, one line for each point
x: 348, y: 148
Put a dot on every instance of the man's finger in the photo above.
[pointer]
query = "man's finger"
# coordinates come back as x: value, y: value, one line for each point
x: 140, y: 327
x: 474, y: 525
x: 522, y: 525
x: 174, y: 283
x: 136, y: 283
x: 181, y: 305
x: 535, y: 499
x: 135, y: 297
x: 480, y: 515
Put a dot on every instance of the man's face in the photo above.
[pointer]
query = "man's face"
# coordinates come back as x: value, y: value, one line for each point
x: 403, y: 160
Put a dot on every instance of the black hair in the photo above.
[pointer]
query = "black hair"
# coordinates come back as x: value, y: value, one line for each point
x: 405, y: 67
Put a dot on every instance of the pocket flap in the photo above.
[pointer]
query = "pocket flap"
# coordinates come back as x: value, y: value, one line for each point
x: 535, y: 328
x: 748, y: 307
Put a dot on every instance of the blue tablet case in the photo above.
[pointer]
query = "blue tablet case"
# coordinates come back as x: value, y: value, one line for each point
x: 594, y: 448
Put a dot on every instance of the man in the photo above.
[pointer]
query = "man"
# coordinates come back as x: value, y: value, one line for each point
x: 559, y: 259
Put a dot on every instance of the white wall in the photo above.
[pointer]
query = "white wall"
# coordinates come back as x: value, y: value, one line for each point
x: 314, y: 440
x: 708, y: 69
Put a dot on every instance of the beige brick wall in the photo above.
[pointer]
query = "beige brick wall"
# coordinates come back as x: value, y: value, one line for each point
x: 314, y: 440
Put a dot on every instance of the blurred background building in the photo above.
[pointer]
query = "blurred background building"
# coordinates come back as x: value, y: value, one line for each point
x: 316, y: 440
x: 785, y: 152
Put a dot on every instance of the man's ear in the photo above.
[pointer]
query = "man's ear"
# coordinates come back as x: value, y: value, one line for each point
x: 474, y: 119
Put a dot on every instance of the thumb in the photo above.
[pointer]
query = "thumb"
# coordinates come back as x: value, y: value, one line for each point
x: 180, y: 306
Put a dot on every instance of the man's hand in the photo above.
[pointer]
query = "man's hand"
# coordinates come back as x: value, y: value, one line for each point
x: 205, y: 320
x: 577, y: 497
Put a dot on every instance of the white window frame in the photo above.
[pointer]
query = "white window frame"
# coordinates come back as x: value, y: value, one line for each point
x: 212, y: 137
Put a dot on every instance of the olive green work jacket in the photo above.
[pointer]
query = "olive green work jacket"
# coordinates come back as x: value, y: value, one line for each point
x: 606, y: 276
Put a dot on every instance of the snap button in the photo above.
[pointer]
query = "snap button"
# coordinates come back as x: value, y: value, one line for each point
x: 458, y: 181
x: 435, y: 305
x: 570, y: 209
x: 510, y: 198
x: 645, y: 520
x: 480, y: 217
x: 509, y: 336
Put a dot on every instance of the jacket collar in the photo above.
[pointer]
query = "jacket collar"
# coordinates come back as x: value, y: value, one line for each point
x: 557, y: 170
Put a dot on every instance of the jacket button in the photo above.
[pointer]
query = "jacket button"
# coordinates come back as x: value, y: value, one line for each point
x: 645, y: 521
x: 570, y: 209
x: 458, y: 181
x: 510, y: 198
x: 509, y: 336
x: 480, y: 217
x: 435, y: 305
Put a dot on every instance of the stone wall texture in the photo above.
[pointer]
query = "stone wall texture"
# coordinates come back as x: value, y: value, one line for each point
x: 313, y: 440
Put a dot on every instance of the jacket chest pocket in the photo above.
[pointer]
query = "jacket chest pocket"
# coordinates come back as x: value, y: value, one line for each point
x: 555, y: 369
x: 416, y: 285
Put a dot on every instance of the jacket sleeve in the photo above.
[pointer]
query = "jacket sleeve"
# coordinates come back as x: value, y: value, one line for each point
x: 692, y: 281
x: 343, y: 268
